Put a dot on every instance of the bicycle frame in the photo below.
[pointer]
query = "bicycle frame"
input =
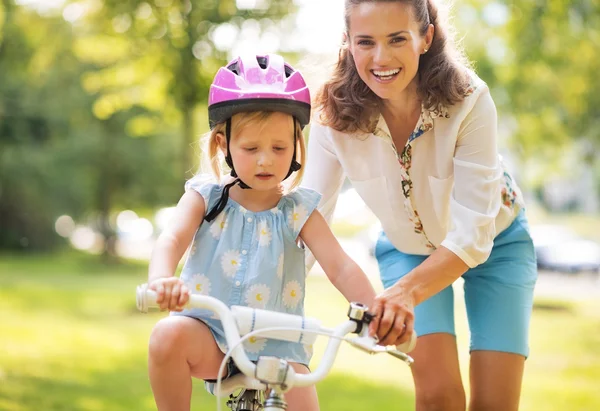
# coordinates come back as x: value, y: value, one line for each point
x: 271, y: 373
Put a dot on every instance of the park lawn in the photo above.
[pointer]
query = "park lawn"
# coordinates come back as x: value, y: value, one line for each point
x: 71, y: 339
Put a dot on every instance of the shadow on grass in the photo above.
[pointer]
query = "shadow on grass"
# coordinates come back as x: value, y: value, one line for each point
x: 553, y: 306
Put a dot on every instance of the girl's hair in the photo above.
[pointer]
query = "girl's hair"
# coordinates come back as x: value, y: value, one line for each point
x: 346, y: 103
x: 238, y: 122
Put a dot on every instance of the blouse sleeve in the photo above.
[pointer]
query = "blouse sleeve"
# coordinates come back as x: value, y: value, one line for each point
x: 476, y: 197
x: 303, y: 202
x: 323, y: 173
x: 204, y: 185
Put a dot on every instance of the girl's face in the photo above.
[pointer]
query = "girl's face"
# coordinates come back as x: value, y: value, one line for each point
x: 262, y: 151
x: 386, y: 46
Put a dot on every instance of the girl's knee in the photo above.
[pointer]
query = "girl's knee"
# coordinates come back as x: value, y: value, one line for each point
x: 442, y: 398
x: 302, y: 398
x: 167, y: 340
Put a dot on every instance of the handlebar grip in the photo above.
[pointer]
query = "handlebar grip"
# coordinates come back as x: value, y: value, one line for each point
x: 409, y: 345
x: 145, y: 298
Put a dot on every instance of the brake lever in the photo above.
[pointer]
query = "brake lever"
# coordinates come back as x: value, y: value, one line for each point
x: 369, y: 345
x: 401, y: 356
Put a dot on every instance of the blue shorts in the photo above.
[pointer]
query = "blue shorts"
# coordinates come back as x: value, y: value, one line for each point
x: 498, y: 293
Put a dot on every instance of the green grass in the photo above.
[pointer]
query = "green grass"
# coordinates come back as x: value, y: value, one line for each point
x: 71, y: 339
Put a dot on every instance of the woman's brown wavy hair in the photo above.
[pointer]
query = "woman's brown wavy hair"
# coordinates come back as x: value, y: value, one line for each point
x: 346, y: 103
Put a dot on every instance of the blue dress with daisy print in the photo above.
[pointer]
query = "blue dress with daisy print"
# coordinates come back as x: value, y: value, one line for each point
x: 251, y: 259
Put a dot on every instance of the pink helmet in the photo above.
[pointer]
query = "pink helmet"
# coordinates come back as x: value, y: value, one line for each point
x: 258, y: 83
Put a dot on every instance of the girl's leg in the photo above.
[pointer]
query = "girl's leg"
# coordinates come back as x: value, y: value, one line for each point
x: 436, y: 374
x: 495, y: 381
x: 180, y: 347
x: 303, y: 398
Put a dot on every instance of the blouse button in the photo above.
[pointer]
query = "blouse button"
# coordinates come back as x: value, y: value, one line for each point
x: 249, y: 219
x: 244, y: 252
x: 237, y: 283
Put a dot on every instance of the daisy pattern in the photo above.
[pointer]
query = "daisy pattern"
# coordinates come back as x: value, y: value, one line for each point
x: 264, y: 234
x: 276, y: 210
x: 243, y: 210
x: 280, y: 266
x: 199, y: 284
x: 255, y: 345
x: 194, y: 248
x: 218, y: 226
x: 296, y: 216
x: 292, y: 294
x: 258, y: 295
x: 230, y: 262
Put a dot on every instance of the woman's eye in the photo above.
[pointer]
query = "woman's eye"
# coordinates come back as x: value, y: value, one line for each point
x: 365, y: 42
x: 279, y: 148
x: 398, y: 39
x: 250, y: 149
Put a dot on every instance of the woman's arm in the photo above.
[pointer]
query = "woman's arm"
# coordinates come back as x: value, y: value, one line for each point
x: 169, y: 249
x: 341, y: 270
x: 474, y: 206
x: 478, y: 174
x: 394, y: 308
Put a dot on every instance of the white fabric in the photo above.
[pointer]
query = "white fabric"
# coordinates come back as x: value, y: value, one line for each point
x: 456, y: 173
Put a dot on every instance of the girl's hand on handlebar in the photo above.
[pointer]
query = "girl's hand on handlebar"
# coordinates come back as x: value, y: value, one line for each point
x: 172, y: 293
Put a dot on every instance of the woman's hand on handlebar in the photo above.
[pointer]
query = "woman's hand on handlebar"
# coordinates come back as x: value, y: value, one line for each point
x: 394, y: 314
x: 172, y: 293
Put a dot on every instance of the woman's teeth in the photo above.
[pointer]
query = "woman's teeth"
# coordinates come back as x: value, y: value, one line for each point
x: 386, y: 74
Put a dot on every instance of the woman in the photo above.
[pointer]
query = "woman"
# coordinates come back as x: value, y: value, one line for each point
x: 414, y: 130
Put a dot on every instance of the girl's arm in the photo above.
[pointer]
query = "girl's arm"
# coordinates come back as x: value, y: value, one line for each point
x: 341, y: 270
x: 170, y: 247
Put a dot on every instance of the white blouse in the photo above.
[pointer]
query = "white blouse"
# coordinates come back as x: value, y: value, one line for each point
x: 446, y: 187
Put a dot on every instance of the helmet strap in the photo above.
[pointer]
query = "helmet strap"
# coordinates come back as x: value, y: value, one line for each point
x: 228, y: 158
x: 220, y: 206
x: 295, y: 166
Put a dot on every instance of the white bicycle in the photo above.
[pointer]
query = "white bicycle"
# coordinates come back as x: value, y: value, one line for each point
x: 261, y: 386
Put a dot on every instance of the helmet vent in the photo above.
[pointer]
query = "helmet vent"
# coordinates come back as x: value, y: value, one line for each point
x: 234, y: 68
x: 262, y: 62
x: 288, y: 71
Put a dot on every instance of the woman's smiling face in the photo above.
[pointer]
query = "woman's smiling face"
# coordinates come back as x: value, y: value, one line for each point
x: 386, y: 45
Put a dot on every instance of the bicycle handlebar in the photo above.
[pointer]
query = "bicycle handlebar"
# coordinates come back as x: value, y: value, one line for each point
x: 238, y: 321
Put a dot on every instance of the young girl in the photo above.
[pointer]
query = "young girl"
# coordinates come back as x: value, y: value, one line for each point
x: 246, y: 234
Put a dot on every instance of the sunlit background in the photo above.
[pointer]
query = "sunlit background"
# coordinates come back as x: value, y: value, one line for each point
x: 102, y: 107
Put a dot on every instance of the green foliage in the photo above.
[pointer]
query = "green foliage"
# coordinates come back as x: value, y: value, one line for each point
x: 100, y: 112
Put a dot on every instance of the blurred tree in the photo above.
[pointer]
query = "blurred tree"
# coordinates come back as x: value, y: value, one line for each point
x: 539, y: 58
x: 151, y: 64
x: 161, y: 56
x: 37, y: 100
x: 552, y: 77
x: 79, y: 83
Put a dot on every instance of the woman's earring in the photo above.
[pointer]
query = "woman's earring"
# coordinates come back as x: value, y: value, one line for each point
x: 425, y: 51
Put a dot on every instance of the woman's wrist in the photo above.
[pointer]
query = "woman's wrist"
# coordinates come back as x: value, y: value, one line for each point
x: 410, y: 289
